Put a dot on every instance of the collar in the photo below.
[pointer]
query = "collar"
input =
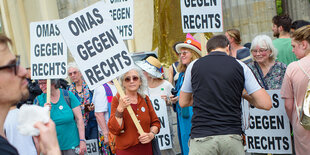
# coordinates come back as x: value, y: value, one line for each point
x: 217, y: 53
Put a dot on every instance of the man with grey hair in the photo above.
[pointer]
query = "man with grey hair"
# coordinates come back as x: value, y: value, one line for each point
x: 81, y: 90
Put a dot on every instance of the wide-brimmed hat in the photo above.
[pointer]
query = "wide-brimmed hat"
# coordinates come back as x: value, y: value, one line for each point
x: 152, y: 66
x: 190, y: 43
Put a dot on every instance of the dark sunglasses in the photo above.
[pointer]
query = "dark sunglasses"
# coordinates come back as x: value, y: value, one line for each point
x: 14, y: 65
x: 133, y: 78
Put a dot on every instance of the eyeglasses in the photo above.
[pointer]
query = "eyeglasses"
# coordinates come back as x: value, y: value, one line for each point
x: 261, y: 50
x: 184, y: 52
x: 133, y: 78
x: 14, y: 65
x: 72, y: 73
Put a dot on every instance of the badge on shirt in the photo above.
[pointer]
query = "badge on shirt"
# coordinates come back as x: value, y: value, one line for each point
x: 143, y: 109
x: 61, y: 107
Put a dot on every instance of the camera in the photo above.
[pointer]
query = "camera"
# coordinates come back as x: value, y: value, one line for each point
x: 174, y: 92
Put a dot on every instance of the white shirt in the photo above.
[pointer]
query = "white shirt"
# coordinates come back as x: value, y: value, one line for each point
x: 23, y: 144
x: 100, y: 100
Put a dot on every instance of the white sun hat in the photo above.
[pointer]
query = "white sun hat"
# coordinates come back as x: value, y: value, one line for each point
x: 152, y: 66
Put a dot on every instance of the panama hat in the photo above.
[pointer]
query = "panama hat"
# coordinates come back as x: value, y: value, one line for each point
x: 190, y: 43
x: 152, y: 66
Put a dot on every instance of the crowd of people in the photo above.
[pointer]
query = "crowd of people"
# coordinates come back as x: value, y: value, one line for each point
x: 204, y: 91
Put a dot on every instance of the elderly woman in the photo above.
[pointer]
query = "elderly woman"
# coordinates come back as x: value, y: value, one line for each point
x: 294, y: 87
x: 66, y: 113
x: 157, y: 86
x: 189, y: 51
x: 128, y: 140
x: 81, y: 91
x: 268, y: 71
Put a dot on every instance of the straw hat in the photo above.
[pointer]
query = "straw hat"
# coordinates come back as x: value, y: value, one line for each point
x: 190, y: 43
x: 152, y: 66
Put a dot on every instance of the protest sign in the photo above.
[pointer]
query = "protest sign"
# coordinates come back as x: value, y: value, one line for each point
x: 48, y: 51
x: 92, y: 147
x: 95, y: 44
x: 201, y: 16
x: 122, y: 13
x: 268, y: 131
x: 163, y: 137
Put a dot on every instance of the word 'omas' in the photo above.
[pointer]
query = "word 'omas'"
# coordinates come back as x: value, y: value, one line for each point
x: 82, y: 24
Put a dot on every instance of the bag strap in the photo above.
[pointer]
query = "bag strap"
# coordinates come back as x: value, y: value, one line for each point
x: 303, y: 69
x: 109, y: 95
x: 65, y: 93
x: 260, y: 75
x: 297, y: 110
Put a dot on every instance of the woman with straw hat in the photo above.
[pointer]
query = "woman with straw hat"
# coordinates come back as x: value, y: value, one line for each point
x: 157, y: 86
x: 189, y: 51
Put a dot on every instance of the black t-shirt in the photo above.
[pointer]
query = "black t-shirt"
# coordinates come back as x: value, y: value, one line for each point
x: 217, y: 83
x: 6, y: 148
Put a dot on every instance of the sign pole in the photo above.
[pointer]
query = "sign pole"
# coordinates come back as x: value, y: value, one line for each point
x: 48, y: 91
x: 129, y: 109
x: 131, y: 45
x: 203, y: 42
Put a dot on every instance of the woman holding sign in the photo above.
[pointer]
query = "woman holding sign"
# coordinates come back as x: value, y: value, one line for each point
x: 158, y: 87
x: 66, y: 113
x: 295, y: 85
x: 128, y: 140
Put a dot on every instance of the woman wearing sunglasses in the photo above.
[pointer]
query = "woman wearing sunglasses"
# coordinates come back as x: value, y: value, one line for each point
x: 128, y: 140
x: 189, y: 51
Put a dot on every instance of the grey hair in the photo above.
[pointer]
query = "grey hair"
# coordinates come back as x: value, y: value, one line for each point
x: 143, y: 86
x: 264, y: 41
x: 73, y: 65
x: 55, y: 82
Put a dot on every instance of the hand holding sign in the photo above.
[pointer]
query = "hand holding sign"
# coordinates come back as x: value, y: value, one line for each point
x: 101, y: 58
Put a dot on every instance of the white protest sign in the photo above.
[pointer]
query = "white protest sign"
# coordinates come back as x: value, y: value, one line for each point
x: 269, y: 131
x: 48, y: 51
x: 92, y: 147
x: 163, y: 137
x: 122, y: 13
x: 200, y: 16
x: 95, y: 44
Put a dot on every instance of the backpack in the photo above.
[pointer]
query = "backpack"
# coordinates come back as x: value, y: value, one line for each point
x: 303, y: 113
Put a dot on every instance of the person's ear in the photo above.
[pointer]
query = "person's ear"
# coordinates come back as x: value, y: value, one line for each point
x: 280, y: 28
x: 305, y: 45
x: 227, y: 50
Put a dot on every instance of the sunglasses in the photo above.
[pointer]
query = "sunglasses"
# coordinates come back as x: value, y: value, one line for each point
x: 14, y: 65
x: 133, y: 78
x: 72, y: 73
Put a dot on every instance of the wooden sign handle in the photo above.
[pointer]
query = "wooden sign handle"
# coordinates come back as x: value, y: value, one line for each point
x: 129, y: 109
x: 48, y: 91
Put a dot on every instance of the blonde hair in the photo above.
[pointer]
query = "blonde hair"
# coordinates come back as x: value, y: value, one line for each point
x: 302, y: 34
x: 234, y: 33
x: 182, y: 67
